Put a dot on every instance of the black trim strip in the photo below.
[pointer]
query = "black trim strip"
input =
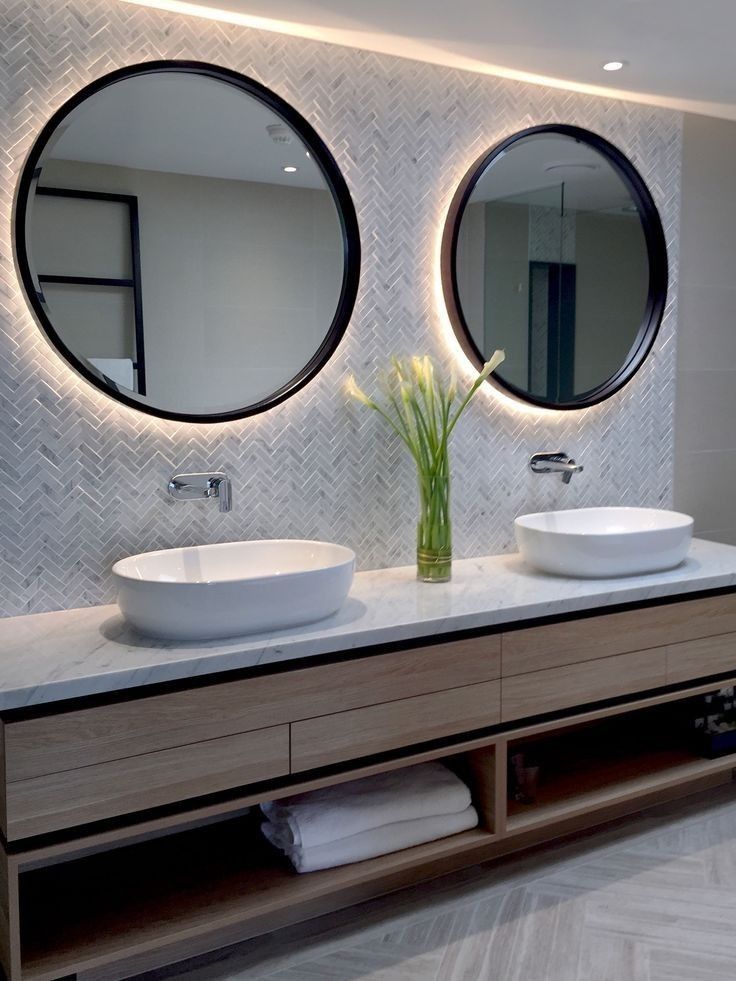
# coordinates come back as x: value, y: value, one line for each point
x: 87, y: 280
x: 73, y: 192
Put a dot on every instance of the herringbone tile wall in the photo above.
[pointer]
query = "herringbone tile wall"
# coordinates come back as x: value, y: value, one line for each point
x: 83, y: 478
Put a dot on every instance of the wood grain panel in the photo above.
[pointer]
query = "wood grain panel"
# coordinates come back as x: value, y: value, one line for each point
x: 380, y: 728
x: 3, y: 777
x: 616, y: 633
x: 9, y: 926
x: 500, y: 780
x: 68, y: 740
x: 89, y: 841
x: 577, y: 684
x: 482, y: 781
x: 92, y: 793
x: 699, y: 658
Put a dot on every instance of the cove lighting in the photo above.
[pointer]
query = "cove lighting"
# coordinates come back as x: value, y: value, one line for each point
x: 402, y: 46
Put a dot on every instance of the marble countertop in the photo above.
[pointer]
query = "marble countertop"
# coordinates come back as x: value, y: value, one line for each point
x: 48, y: 657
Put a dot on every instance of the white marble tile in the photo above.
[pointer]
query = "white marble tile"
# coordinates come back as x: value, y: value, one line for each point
x: 85, y: 480
x: 52, y: 656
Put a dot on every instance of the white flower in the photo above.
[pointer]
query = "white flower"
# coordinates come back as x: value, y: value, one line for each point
x: 495, y: 360
x: 357, y: 393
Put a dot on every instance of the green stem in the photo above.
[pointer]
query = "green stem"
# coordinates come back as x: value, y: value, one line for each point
x: 434, y: 531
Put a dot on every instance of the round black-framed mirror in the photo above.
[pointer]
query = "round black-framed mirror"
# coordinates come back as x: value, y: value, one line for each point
x: 186, y: 241
x: 553, y: 249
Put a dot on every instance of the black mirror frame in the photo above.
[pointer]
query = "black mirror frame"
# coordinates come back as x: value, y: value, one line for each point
x: 656, y: 252
x: 320, y: 154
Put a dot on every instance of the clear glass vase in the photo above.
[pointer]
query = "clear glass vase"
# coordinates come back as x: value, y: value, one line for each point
x: 434, y: 530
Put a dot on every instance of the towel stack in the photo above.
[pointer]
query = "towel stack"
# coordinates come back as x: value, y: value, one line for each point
x: 365, y: 818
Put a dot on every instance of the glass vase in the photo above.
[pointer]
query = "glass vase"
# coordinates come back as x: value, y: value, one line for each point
x: 434, y: 530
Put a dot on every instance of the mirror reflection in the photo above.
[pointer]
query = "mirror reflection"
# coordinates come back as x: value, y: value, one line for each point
x: 552, y: 265
x: 185, y: 245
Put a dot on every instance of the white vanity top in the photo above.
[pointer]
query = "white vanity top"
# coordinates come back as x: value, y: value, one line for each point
x: 48, y: 657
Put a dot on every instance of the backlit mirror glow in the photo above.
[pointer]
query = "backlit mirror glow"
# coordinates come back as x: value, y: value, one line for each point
x: 549, y: 256
x: 177, y: 255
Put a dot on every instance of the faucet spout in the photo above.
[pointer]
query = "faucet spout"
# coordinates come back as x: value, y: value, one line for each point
x: 558, y: 462
x: 196, y: 486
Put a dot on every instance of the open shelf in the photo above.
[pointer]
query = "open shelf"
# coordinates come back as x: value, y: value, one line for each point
x: 590, y: 786
x: 91, y: 911
x: 83, y: 914
x: 590, y: 767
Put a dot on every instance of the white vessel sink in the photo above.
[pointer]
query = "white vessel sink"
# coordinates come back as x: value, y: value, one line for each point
x: 211, y: 591
x: 603, y: 542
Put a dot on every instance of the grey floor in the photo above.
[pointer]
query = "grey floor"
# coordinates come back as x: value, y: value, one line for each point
x: 651, y: 898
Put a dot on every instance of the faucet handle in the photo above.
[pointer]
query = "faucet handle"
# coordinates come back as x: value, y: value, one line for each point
x: 221, y: 488
x: 196, y: 486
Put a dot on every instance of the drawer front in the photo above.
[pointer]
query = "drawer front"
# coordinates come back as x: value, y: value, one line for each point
x: 699, y: 658
x: 577, y: 684
x: 66, y: 740
x: 615, y: 633
x: 380, y: 728
x: 93, y: 793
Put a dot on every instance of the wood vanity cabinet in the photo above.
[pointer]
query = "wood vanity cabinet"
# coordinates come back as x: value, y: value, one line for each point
x: 127, y: 838
x: 70, y: 768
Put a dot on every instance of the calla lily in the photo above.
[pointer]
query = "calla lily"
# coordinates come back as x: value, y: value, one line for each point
x: 495, y: 360
x: 418, y: 407
x: 452, y: 387
x: 357, y: 393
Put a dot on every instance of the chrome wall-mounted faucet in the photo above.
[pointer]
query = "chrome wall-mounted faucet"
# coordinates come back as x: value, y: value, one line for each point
x: 554, y: 463
x: 195, y: 486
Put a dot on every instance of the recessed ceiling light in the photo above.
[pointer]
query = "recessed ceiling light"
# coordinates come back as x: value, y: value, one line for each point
x: 290, y: 169
x: 613, y: 66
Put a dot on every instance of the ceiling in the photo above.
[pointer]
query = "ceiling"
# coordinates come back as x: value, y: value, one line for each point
x: 184, y: 123
x: 679, y: 52
x: 521, y: 174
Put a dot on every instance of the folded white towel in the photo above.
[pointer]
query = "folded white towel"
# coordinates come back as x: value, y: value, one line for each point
x: 322, y: 816
x: 375, y: 841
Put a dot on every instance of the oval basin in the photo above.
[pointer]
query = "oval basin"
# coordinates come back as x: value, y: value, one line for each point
x: 603, y: 542
x: 206, y: 592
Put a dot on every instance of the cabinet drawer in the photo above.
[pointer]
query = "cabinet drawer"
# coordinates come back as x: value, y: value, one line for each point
x: 66, y: 740
x: 699, y: 658
x: 576, y: 684
x: 380, y: 728
x: 615, y: 633
x: 93, y: 793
